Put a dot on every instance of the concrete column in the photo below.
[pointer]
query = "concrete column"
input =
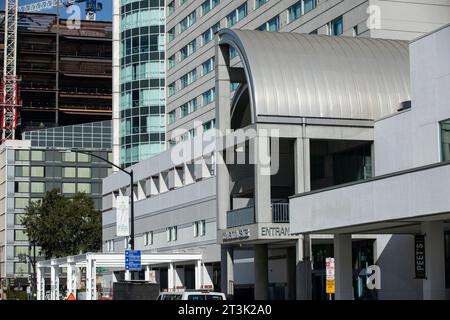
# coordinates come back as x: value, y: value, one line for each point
x: 147, y: 273
x: 263, y: 210
x: 291, y: 263
x: 227, y: 270
x: 434, y: 284
x: 71, y: 280
x: 303, y: 268
x: 171, y: 277
x: 261, y: 265
x: 40, y: 283
x: 302, y: 165
x: 343, y: 266
x: 198, y: 275
x: 91, y: 279
x: 54, y: 276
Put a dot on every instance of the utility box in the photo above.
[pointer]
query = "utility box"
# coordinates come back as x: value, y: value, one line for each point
x: 135, y: 290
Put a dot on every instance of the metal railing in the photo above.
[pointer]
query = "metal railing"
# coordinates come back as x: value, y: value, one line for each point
x: 240, y: 217
x: 280, y: 212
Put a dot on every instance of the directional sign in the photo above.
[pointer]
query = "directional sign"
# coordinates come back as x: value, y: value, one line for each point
x: 133, y: 260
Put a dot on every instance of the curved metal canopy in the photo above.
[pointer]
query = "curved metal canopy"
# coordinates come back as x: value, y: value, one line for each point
x: 303, y: 75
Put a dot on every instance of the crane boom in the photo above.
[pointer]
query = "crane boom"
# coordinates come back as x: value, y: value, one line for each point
x: 9, y: 94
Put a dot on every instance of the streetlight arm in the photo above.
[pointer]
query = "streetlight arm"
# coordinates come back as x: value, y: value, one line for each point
x: 106, y: 160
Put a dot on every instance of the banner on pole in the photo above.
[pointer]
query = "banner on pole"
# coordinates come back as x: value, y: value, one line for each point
x: 123, y: 216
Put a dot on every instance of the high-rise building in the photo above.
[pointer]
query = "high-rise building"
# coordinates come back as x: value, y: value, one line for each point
x: 139, y: 88
x: 65, y: 73
x: 31, y: 167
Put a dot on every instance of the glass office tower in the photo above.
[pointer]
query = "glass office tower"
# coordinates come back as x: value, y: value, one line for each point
x: 142, y: 80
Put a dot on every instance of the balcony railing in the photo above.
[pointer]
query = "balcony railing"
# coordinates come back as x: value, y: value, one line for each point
x: 280, y: 212
x: 240, y: 217
x: 246, y: 216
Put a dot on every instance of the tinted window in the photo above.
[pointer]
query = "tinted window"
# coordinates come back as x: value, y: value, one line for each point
x: 214, y: 297
x: 196, y: 297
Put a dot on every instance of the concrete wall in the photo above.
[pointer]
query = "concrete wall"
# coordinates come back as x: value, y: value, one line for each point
x: 411, y: 139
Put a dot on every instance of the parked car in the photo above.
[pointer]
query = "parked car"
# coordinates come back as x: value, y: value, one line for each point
x: 194, y: 295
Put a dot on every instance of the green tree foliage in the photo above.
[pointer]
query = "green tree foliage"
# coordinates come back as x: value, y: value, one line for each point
x: 62, y: 226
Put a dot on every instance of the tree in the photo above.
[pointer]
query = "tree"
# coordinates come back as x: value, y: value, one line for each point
x: 63, y: 226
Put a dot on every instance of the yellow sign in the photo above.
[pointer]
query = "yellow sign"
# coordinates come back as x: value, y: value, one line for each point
x: 330, y: 286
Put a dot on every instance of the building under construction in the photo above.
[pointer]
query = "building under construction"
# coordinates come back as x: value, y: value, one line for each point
x: 65, y: 73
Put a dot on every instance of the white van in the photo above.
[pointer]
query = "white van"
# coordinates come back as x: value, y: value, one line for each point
x: 192, y: 295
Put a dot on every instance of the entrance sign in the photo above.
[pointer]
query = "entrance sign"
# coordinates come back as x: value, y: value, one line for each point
x: 123, y: 216
x: 419, y: 257
x: 330, y: 279
x: 133, y: 260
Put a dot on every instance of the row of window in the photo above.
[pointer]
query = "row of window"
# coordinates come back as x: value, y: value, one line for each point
x: 193, y: 132
x: 190, y: 77
x: 171, y: 235
x: 191, y: 106
x: 39, y: 155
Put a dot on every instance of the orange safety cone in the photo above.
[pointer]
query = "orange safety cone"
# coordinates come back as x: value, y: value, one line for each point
x: 71, y: 297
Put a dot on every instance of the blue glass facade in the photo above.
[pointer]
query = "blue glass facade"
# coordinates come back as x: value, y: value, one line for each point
x: 142, y: 80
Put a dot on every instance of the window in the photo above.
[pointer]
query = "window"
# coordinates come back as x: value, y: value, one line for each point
x: 259, y: 3
x: 208, y: 35
x: 188, y: 21
x: 188, y: 49
x: 18, y: 218
x: 21, y: 203
x: 37, y: 187
x: 20, y: 235
x: 148, y: 238
x: 84, y: 172
x: 38, y: 172
x: 110, y: 245
x: 208, y: 125
x: 171, y: 8
x: 237, y: 15
x: 21, y: 187
x: 199, y: 228
x: 208, y: 66
x: 208, y: 5
x: 68, y: 187
x: 189, y: 107
x: 171, y: 89
x: 337, y: 26
x: 84, y: 157
x: 309, y: 5
x: 23, y: 155
x: 171, y: 117
x: 172, y: 234
x: 21, y: 268
x: 69, y: 172
x: 22, y: 171
x: 445, y: 140
x: 171, y: 34
x: 208, y: 96
x: 188, y: 78
x: 69, y: 157
x: 37, y: 155
x: 20, y: 251
x: 295, y: 11
x: 171, y: 61
x: 273, y: 25
x: 234, y: 86
x: 84, y: 187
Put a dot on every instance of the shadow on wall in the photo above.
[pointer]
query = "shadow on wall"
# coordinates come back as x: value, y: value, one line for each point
x: 395, y: 257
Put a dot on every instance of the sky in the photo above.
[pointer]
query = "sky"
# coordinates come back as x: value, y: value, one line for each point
x: 104, y: 15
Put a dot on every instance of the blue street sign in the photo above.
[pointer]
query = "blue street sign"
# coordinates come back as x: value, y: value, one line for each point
x: 133, y: 260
